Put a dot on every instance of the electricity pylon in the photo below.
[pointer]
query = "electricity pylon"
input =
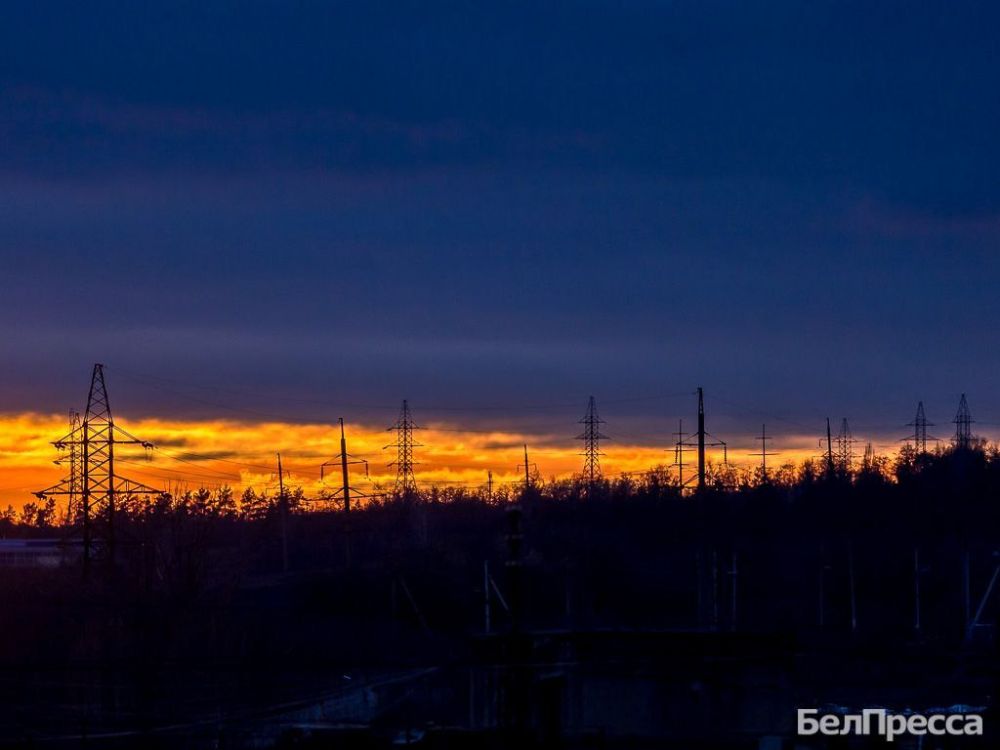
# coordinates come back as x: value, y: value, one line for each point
x: 344, y: 459
x: 97, y: 487
x: 963, y: 425
x: 406, y: 483
x: 591, y: 437
x: 72, y: 483
x: 844, y: 456
x: 700, y: 442
x: 919, y: 425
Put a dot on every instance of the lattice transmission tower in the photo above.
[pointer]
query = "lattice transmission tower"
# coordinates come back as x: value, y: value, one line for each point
x: 844, y: 455
x: 919, y: 424
x: 406, y: 483
x: 963, y: 425
x: 93, y: 483
x: 74, y: 482
x: 591, y: 437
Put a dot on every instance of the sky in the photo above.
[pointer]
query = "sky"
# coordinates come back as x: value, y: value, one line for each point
x: 279, y: 213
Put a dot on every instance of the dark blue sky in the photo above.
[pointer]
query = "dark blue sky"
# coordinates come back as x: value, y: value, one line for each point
x: 793, y: 204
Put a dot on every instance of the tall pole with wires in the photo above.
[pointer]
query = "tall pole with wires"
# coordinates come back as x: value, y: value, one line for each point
x: 406, y: 483
x: 764, y: 453
x: 344, y: 460
x: 701, y: 440
x: 528, y: 467
x: 283, y: 515
x: 700, y: 444
x: 98, y: 487
x: 591, y: 437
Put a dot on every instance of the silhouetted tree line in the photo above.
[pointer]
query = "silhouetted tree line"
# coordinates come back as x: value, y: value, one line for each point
x: 943, y: 473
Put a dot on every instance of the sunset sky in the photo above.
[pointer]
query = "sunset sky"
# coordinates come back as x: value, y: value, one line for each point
x: 214, y: 453
x: 262, y: 216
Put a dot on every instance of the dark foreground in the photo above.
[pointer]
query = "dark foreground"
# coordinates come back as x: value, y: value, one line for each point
x: 645, y: 621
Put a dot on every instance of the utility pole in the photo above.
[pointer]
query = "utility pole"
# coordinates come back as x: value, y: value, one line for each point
x: 974, y: 622
x: 486, y: 596
x: 829, y: 450
x: 733, y: 577
x: 852, y: 590
x: 701, y: 440
x: 343, y: 468
x: 764, y: 452
x: 701, y: 443
x: 406, y: 483
x: 715, y: 589
x: 702, y: 434
x: 345, y: 460
x: 283, y: 516
x: 489, y: 486
x: 96, y: 485
x: 591, y: 437
x: 528, y: 466
x: 680, y: 446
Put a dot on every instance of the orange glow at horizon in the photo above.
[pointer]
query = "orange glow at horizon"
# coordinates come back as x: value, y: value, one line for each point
x: 240, y: 454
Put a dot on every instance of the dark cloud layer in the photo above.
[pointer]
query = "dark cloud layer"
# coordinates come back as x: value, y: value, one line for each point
x: 793, y: 203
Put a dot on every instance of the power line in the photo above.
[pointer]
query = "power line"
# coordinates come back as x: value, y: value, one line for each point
x: 217, y: 476
x: 173, y: 475
x: 206, y: 457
